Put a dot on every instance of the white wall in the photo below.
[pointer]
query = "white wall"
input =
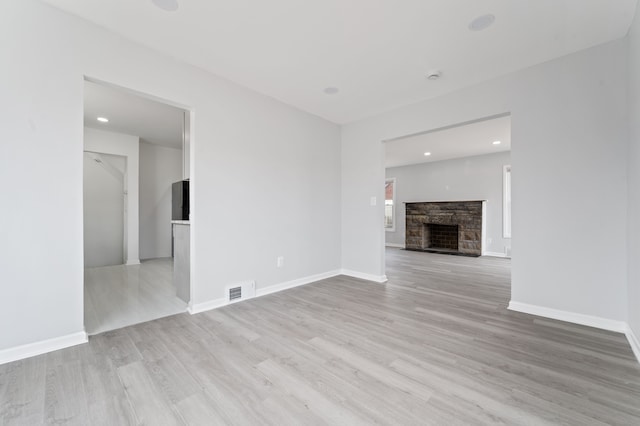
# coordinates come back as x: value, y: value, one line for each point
x: 569, y: 148
x: 103, y: 191
x: 186, y: 148
x: 129, y: 147
x: 470, y: 178
x: 265, y: 176
x: 159, y: 168
x: 634, y: 178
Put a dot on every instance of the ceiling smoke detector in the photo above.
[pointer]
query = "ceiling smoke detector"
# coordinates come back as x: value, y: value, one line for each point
x: 167, y: 5
x: 434, y: 75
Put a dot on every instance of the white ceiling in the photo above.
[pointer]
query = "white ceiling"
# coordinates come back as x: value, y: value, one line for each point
x: 377, y: 52
x: 151, y: 121
x: 455, y: 142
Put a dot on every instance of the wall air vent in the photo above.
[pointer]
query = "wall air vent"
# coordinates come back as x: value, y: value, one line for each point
x: 240, y: 291
x: 235, y: 293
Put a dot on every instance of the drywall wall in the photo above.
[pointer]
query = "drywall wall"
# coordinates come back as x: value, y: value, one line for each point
x: 470, y: 178
x: 568, y: 152
x: 634, y: 180
x: 265, y: 176
x: 127, y: 146
x: 159, y: 168
x: 186, y: 147
x: 103, y: 189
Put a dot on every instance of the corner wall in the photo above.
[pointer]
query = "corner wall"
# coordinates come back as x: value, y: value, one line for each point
x: 103, y: 219
x: 159, y: 168
x: 633, y: 157
x: 569, y: 157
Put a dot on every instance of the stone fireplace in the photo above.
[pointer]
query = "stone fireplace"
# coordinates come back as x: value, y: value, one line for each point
x: 453, y: 227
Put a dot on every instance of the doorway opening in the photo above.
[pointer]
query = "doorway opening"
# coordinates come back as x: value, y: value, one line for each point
x: 105, y: 211
x: 448, y: 192
x: 135, y: 149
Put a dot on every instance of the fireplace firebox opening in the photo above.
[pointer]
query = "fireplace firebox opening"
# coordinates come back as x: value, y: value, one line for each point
x: 444, y: 237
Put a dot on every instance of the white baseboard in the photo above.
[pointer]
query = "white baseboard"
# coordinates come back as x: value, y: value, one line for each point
x: 394, y: 245
x: 369, y: 277
x: 42, y: 347
x: 588, y: 320
x: 218, y: 303
x: 296, y: 283
x: 207, y: 306
x: 133, y: 262
x: 634, y: 342
x: 494, y: 254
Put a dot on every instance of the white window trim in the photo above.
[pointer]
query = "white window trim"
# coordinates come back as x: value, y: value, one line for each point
x: 507, y: 189
x: 393, y: 208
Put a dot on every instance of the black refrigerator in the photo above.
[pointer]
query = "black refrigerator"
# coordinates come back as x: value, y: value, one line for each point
x: 180, y: 200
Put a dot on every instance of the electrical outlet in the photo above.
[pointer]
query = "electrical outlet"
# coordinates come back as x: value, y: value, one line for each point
x: 373, y: 201
x: 489, y: 240
x: 280, y: 261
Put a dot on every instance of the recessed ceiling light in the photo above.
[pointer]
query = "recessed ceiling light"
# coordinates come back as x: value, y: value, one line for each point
x: 331, y: 90
x: 497, y: 142
x: 426, y: 154
x: 482, y: 22
x: 103, y: 119
x: 168, y: 5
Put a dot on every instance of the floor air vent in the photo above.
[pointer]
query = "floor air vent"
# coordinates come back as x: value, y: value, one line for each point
x: 241, y: 291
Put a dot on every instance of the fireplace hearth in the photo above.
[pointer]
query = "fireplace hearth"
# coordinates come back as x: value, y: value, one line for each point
x: 450, y: 227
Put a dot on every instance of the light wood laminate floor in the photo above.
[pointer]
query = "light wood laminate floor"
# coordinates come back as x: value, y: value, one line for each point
x: 435, y: 345
x: 122, y: 295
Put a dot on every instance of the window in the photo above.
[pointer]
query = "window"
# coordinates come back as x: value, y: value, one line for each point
x: 389, y: 204
x: 506, y: 203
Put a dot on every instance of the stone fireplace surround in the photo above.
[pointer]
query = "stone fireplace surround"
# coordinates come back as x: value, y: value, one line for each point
x: 466, y: 215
